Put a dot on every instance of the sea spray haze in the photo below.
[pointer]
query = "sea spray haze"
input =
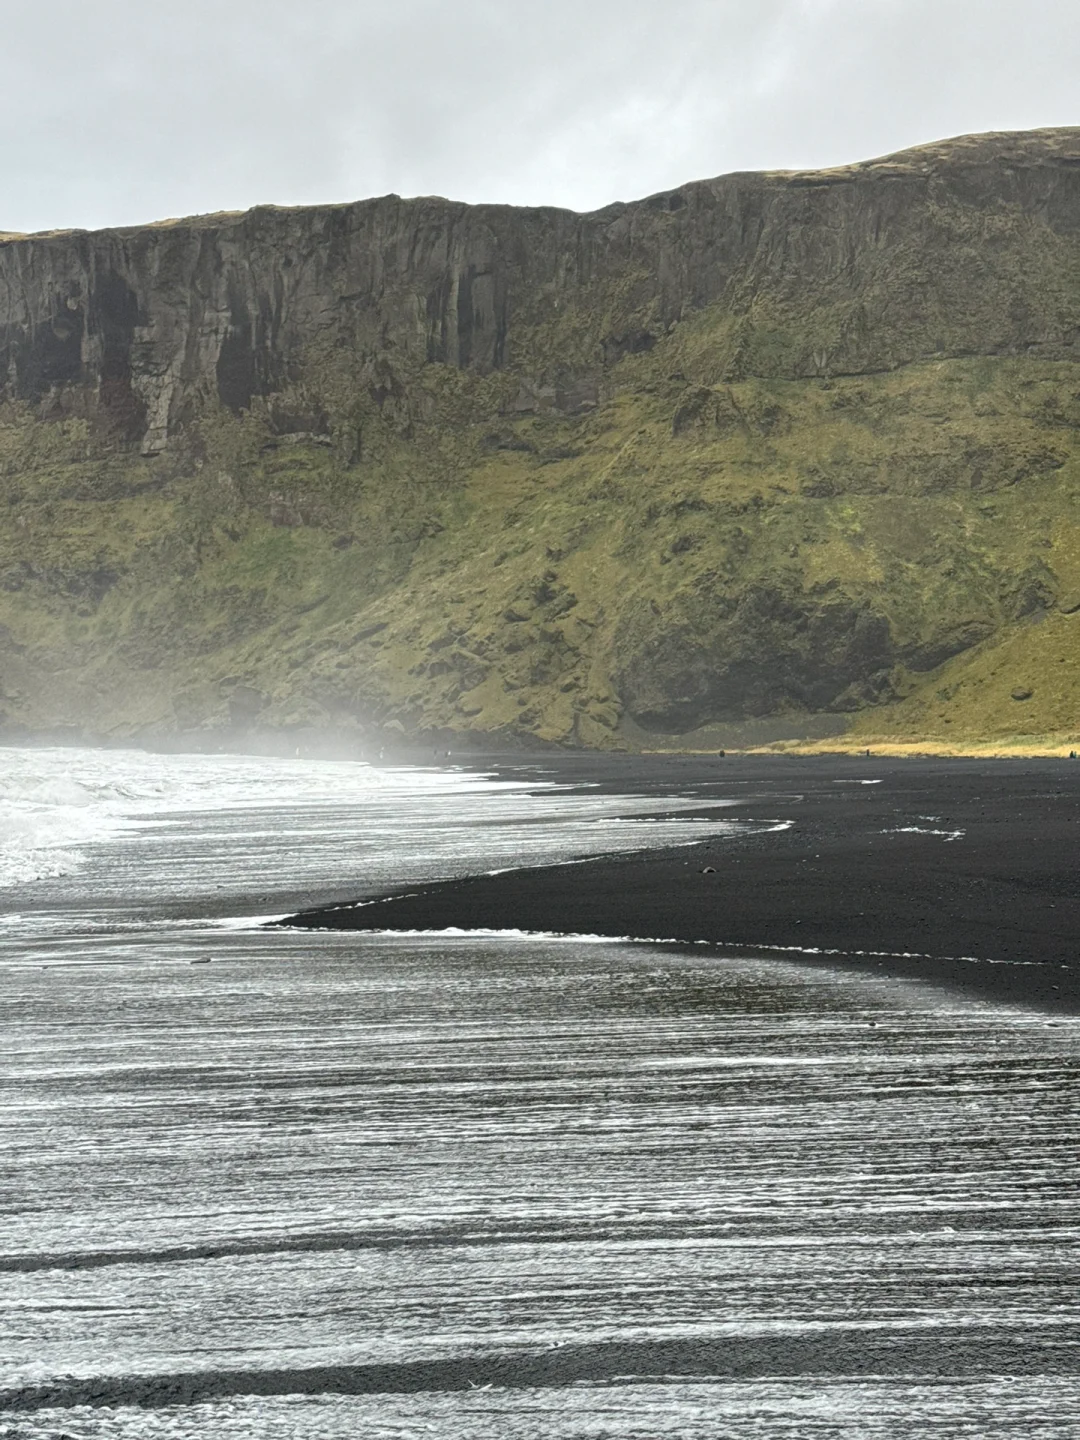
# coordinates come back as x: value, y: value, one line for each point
x: 790, y: 448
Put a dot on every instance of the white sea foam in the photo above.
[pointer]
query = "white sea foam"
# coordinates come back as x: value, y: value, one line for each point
x: 479, y: 932
x: 47, y: 816
x: 56, y: 803
x: 925, y: 830
x: 109, y: 830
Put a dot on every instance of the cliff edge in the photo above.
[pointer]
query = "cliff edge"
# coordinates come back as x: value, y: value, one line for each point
x: 783, y: 453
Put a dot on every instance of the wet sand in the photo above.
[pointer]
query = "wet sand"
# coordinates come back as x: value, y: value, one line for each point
x: 842, y: 1353
x: 341, y: 1183
x: 960, y: 872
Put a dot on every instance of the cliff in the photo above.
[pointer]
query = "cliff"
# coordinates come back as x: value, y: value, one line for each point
x: 791, y: 450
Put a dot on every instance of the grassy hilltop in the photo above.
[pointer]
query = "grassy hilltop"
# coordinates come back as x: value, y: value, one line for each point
x: 793, y: 455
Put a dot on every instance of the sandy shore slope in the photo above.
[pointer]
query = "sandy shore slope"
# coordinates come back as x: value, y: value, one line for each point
x: 965, y: 872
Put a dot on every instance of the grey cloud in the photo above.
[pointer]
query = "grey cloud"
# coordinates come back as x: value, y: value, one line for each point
x: 116, y: 111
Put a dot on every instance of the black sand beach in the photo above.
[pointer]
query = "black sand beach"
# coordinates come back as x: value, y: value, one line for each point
x: 282, y: 1182
x: 942, y: 1355
x: 961, y: 872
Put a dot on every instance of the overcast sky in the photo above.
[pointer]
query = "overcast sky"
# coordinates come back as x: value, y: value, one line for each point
x: 121, y: 111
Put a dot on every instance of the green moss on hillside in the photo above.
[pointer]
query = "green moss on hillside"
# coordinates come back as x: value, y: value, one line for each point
x: 683, y: 554
x: 794, y: 453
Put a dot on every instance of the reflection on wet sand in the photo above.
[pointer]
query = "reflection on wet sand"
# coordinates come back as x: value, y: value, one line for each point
x: 348, y: 1163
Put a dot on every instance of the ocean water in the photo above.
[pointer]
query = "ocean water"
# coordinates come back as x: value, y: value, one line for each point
x: 106, y: 845
x: 490, y: 1184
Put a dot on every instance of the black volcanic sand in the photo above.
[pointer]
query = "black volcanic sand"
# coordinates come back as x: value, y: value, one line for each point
x: 995, y: 911
x: 944, y: 1354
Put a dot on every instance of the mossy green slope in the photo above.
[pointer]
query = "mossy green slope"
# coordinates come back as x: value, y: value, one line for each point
x: 843, y: 489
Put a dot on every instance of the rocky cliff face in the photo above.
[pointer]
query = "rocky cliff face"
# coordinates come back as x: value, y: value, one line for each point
x: 747, y: 379
x: 964, y: 248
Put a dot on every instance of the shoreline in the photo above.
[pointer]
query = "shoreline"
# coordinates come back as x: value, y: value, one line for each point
x: 892, y: 749
x: 467, y: 747
x: 959, y: 872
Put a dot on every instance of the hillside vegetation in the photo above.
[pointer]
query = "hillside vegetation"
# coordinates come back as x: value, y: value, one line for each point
x: 833, y: 491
